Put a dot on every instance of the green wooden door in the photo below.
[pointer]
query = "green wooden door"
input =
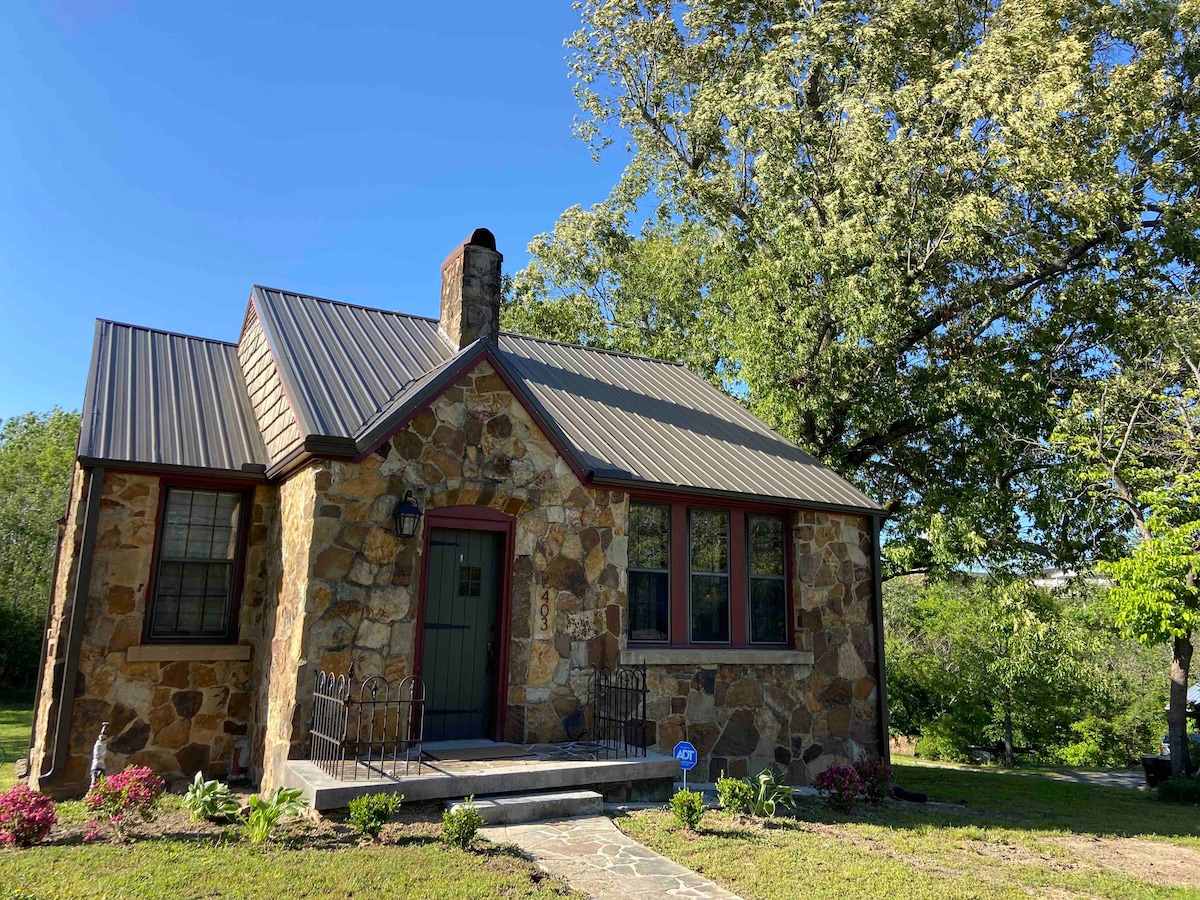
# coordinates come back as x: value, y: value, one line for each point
x: 459, y: 651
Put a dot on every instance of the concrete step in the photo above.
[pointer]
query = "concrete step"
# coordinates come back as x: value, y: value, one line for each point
x: 513, y: 809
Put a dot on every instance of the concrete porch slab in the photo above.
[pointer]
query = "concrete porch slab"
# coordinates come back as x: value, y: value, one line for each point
x: 544, y: 767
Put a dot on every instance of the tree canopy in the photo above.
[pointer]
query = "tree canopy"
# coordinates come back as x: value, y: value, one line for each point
x: 903, y: 233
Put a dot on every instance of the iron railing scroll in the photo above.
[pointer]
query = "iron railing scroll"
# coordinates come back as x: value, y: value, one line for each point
x: 370, y: 729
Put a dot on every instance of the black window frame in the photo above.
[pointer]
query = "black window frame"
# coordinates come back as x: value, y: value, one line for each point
x: 632, y: 570
x: 232, y: 607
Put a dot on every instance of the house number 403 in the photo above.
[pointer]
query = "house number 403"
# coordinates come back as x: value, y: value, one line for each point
x: 544, y: 611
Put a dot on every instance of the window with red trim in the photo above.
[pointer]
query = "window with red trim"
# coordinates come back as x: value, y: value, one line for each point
x: 707, y: 576
x: 194, y: 583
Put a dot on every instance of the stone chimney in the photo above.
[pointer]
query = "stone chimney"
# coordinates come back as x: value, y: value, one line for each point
x: 471, y: 290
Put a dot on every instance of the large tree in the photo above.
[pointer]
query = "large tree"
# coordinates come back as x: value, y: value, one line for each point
x: 902, y: 232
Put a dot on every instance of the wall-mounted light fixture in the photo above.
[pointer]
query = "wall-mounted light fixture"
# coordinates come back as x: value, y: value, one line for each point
x: 406, y: 515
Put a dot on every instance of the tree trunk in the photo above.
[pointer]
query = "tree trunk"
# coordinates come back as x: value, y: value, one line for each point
x: 1181, y: 663
x: 1008, y: 739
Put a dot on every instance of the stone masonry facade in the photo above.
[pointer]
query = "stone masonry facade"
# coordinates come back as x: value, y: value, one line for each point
x: 328, y: 582
x: 176, y: 716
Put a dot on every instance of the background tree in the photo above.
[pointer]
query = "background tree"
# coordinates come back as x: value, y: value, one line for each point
x: 1133, y: 441
x: 37, y: 453
x: 979, y: 660
x: 903, y: 233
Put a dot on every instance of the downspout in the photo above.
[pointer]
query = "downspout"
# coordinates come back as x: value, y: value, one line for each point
x: 885, y: 744
x: 65, y: 686
x: 41, y: 673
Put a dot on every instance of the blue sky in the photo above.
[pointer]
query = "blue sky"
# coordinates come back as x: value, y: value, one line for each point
x: 156, y: 160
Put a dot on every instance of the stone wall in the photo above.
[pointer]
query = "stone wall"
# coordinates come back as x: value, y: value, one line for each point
x: 475, y: 446
x: 175, y: 716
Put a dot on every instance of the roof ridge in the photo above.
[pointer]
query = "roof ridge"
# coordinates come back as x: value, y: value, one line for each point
x: 179, y: 334
x: 542, y: 340
x: 390, y: 312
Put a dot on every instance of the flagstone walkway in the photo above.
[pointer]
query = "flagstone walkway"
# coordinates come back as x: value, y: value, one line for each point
x: 592, y: 855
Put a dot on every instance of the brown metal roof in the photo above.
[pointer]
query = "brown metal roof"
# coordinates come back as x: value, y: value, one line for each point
x: 158, y: 398
x: 352, y: 373
x: 640, y: 420
x: 343, y: 365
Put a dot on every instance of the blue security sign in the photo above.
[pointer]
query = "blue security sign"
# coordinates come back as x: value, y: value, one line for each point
x: 686, y: 754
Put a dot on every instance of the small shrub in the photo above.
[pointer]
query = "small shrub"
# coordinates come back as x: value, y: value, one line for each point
x: 875, y: 777
x: 735, y: 795
x: 370, y: 812
x: 209, y: 800
x: 688, y: 807
x: 266, y: 813
x: 460, y: 825
x: 116, y: 800
x: 839, y: 786
x: 1180, y: 790
x: 26, y: 816
x: 769, y: 794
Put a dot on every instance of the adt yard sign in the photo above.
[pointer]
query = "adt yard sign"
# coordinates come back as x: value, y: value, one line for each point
x: 685, y: 753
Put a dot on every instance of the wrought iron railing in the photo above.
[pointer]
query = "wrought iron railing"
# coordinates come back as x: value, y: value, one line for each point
x: 618, y: 705
x: 367, y: 730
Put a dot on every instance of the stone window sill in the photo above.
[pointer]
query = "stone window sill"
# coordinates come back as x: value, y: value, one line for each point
x: 186, y: 652
x: 687, y: 656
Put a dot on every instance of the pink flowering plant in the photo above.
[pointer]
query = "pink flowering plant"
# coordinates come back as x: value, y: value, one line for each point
x: 839, y: 786
x: 26, y: 816
x: 119, y: 800
x: 876, y: 778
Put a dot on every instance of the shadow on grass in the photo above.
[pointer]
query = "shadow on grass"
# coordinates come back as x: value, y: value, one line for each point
x: 961, y: 798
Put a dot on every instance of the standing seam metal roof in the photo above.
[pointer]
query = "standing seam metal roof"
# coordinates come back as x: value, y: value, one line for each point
x: 351, y: 373
x: 154, y: 397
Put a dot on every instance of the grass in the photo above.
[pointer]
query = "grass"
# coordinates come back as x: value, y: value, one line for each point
x: 312, y: 861
x: 180, y: 868
x: 16, y: 720
x: 988, y: 835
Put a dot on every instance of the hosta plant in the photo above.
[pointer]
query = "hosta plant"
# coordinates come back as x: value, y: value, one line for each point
x: 209, y: 800
x: 875, y: 777
x: 769, y: 795
x: 839, y: 786
x: 118, y: 801
x: 26, y: 816
x: 370, y: 812
x: 265, y: 813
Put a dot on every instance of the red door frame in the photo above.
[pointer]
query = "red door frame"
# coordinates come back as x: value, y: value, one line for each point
x: 475, y: 518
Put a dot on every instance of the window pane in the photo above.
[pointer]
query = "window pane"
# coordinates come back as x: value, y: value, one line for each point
x: 649, y: 536
x: 768, y: 611
x: 710, y: 540
x: 710, y: 608
x: 766, y: 545
x: 193, y: 588
x: 649, y: 601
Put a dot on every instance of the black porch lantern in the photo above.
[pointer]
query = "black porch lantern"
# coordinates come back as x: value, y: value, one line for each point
x: 406, y: 515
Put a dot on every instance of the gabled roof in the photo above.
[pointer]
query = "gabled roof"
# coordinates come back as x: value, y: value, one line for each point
x: 163, y: 399
x: 352, y: 375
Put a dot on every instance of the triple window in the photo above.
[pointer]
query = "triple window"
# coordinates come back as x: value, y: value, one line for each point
x: 194, y: 584
x: 706, y: 576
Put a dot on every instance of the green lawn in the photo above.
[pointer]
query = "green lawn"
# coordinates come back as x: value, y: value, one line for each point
x: 15, y: 721
x: 312, y: 860
x: 990, y: 835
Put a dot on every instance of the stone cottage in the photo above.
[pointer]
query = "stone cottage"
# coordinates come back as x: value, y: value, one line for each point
x: 234, y: 527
